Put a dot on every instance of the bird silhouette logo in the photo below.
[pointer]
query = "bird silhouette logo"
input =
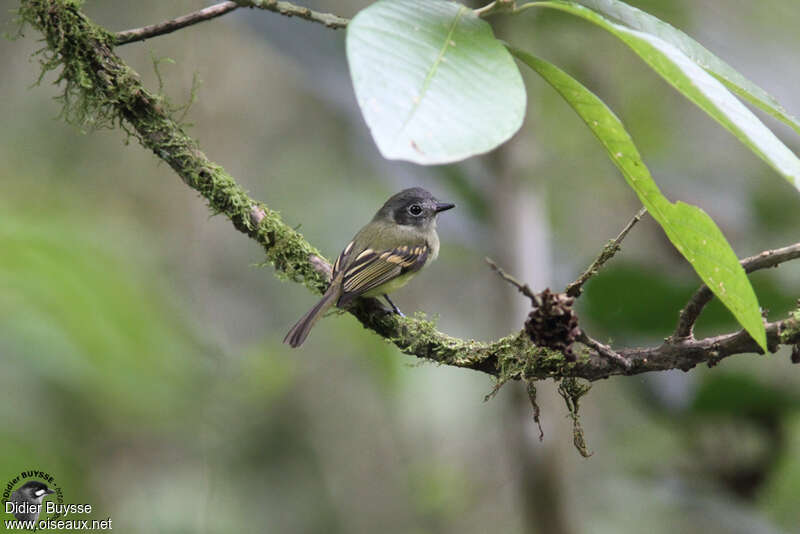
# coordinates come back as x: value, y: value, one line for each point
x: 28, y: 499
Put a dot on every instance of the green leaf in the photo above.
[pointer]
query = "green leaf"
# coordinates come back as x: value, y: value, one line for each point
x: 642, y: 21
x: 689, y: 228
x: 433, y: 83
x: 698, y: 86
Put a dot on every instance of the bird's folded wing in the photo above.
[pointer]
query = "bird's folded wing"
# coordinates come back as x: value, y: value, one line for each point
x: 372, y: 268
x: 341, y: 260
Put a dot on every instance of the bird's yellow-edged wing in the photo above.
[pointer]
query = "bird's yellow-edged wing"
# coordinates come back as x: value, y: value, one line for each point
x: 373, y: 268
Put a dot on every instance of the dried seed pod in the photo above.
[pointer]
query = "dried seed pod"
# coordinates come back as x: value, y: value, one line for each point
x: 553, y: 322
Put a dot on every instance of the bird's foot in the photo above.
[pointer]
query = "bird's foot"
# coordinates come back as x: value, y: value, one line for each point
x: 395, y: 309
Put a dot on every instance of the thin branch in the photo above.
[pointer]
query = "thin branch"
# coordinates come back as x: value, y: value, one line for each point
x: 217, y: 10
x: 612, y: 247
x: 103, y: 83
x: 605, y: 350
x: 522, y: 288
x: 691, y: 312
x: 290, y: 10
x: 140, y: 34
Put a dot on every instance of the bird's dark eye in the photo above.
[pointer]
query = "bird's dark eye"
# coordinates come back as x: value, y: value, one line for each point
x: 415, y: 209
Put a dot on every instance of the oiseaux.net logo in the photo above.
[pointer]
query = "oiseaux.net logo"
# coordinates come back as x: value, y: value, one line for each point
x: 33, y: 500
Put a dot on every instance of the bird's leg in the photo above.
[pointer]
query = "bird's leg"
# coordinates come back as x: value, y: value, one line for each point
x: 394, y: 308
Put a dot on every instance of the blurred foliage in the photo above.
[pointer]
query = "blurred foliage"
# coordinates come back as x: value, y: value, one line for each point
x: 743, y: 396
x: 614, y: 301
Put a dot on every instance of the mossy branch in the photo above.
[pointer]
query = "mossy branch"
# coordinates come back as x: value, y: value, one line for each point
x: 99, y: 90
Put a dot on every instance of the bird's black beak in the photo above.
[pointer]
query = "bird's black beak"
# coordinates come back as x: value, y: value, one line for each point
x: 49, y: 491
x: 444, y: 206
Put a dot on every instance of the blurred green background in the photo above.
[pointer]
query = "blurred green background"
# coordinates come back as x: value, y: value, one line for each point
x: 140, y: 338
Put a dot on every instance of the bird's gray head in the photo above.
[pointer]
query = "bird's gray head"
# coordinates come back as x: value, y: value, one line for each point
x: 34, y: 491
x: 412, y: 207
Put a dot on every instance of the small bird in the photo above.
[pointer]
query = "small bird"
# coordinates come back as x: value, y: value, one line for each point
x: 383, y: 256
x: 28, y: 500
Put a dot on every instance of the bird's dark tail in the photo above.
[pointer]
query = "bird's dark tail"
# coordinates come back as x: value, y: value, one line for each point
x: 299, y: 331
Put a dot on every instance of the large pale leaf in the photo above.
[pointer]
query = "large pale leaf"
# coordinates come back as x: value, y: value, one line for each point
x: 640, y: 20
x: 689, y: 228
x: 433, y: 83
x: 698, y: 86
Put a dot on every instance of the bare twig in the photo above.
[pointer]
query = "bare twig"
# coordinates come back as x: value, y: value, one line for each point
x: 612, y: 247
x: 523, y: 288
x: 691, y: 312
x: 290, y: 10
x: 284, y: 8
x: 604, y: 350
x: 140, y: 34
